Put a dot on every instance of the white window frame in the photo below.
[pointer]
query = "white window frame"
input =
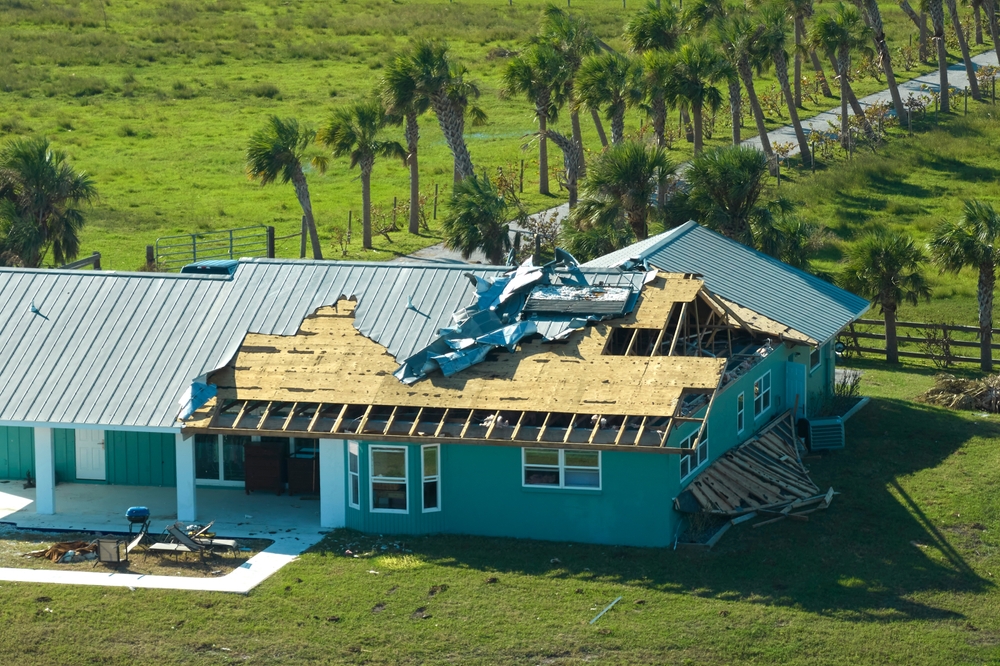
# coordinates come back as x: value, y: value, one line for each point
x: 219, y: 481
x: 352, y: 477
x: 436, y: 478
x: 388, y: 479
x: 562, y: 467
x: 741, y: 420
x: 701, y: 454
x: 819, y: 364
x: 758, y: 395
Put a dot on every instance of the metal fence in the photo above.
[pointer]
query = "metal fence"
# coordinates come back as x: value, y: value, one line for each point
x: 173, y: 252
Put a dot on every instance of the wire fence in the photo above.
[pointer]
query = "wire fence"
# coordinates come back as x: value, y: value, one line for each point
x: 174, y: 252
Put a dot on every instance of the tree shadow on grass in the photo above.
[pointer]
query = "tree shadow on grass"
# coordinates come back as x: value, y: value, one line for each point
x: 959, y: 170
x: 857, y: 209
x: 863, y: 560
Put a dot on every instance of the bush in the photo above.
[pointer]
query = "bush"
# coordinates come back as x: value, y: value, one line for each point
x: 268, y: 90
x: 182, y: 90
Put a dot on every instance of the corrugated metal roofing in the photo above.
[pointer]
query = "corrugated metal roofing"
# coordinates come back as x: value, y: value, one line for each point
x: 747, y: 277
x: 119, y: 349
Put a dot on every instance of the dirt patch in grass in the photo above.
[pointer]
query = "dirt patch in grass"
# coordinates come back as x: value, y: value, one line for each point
x: 14, y: 544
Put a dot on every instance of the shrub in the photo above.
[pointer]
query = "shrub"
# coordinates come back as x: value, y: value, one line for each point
x: 127, y: 131
x: 182, y: 90
x: 268, y: 90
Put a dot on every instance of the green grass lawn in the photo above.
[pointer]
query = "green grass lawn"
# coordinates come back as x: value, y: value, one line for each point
x: 901, y: 570
x: 157, y: 99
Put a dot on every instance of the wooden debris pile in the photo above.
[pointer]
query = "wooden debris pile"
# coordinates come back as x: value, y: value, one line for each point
x: 763, y: 478
x: 56, y: 552
x: 970, y: 394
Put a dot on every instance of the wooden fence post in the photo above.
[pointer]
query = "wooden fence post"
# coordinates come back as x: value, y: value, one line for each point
x: 150, y: 256
x: 270, y: 242
x: 435, y: 201
x: 97, y: 261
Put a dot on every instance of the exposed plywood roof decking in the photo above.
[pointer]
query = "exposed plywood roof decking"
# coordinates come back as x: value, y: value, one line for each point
x: 330, y: 379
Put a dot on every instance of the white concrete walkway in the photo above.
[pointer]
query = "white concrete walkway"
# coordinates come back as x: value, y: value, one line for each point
x: 957, y: 78
x: 291, y: 522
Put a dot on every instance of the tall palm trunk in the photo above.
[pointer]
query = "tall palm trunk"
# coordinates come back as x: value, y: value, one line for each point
x: 920, y: 22
x: 574, y: 119
x: 541, y: 110
x: 991, y: 16
x: 852, y: 99
x: 984, y: 294
x: 735, y: 109
x: 366, y: 201
x: 818, y: 69
x: 925, y: 50
x: 978, y: 20
x: 697, y: 118
x: 844, y: 60
x: 781, y: 71
x: 970, y: 70
x: 937, y: 18
x: 878, y: 36
x: 571, y: 162
x: 412, y: 132
x: 302, y: 193
x: 618, y: 124
x: 658, y: 111
x: 637, y: 221
x: 798, y: 25
x: 746, y: 75
x: 891, y: 341
x: 451, y: 120
x: 600, y: 128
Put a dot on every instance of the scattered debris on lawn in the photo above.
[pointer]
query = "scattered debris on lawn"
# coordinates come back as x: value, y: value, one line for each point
x: 965, y: 394
x: 606, y: 609
x: 67, y: 551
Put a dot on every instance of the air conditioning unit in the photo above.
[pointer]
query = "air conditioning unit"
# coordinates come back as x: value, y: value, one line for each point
x: 826, y: 434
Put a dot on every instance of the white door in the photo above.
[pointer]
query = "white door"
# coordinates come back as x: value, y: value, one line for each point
x: 90, y: 455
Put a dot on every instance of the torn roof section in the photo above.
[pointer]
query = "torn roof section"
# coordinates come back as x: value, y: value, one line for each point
x: 784, y: 295
x: 526, y: 301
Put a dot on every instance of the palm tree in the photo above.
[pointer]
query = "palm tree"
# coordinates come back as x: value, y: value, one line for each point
x: 610, y: 82
x: 963, y: 44
x: 439, y: 80
x: 992, y: 11
x: 697, y: 16
x: 874, y: 16
x: 884, y: 266
x: 725, y: 189
x: 40, y: 195
x: 462, y: 92
x: 572, y: 164
x: 620, y: 185
x: 572, y: 37
x: 977, y: 19
x: 401, y: 97
x: 841, y: 33
x: 934, y: 8
x: 974, y: 241
x: 775, y: 27
x: 653, y: 28
x: 739, y: 37
x: 275, y: 153
x: 355, y: 132
x: 693, y: 72
x: 920, y: 21
x: 477, y: 219
x: 539, y: 74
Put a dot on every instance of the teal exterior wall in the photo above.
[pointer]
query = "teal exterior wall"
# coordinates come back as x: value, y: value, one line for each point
x: 17, y: 452
x: 140, y: 458
x: 64, y: 442
x: 819, y: 381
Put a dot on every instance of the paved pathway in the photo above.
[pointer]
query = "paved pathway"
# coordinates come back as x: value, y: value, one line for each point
x: 921, y: 85
x: 957, y: 78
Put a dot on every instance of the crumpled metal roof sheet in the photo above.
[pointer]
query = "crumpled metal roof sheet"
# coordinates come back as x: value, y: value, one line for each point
x: 749, y: 278
x: 120, y: 349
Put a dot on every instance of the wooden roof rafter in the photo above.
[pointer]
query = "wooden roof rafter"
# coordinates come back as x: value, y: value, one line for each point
x: 398, y: 423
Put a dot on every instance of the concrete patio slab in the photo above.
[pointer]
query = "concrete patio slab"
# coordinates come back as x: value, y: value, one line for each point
x: 291, y: 522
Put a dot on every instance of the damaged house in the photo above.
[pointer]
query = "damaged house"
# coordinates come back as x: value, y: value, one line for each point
x: 594, y: 403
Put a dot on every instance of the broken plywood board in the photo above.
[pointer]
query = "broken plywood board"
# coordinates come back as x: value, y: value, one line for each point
x: 330, y: 362
x: 761, y: 324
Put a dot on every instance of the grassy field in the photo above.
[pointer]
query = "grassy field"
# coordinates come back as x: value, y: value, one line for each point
x: 910, y: 184
x: 901, y: 570
x: 156, y: 100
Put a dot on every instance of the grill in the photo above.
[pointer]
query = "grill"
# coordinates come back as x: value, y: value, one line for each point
x: 137, y: 515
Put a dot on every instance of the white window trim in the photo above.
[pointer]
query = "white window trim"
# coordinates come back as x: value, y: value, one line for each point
x: 388, y: 479
x: 433, y: 477
x: 352, y: 448
x: 770, y: 402
x: 562, y: 472
x: 741, y: 413
x: 219, y: 482
x: 814, y: 368
x: 702, y: 446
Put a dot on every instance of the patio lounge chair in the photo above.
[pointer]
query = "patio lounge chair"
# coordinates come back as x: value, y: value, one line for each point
x: 177, y: 532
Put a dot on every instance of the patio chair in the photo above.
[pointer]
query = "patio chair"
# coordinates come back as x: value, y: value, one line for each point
x: 177, y: 532
x: 109, y: 552
x: 178, y: 547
